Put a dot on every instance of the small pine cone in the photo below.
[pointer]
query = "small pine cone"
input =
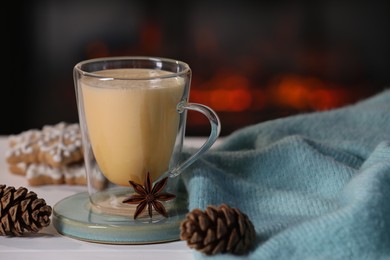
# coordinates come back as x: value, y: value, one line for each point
x: 218, y: 230
x: 22, y: 211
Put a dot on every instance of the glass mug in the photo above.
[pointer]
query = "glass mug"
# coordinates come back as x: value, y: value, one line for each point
x: 132, y: 113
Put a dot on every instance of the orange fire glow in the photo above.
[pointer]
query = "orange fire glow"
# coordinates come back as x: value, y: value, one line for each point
x: 234, y: 93
x: 225, y: 92
x: 306, y: 93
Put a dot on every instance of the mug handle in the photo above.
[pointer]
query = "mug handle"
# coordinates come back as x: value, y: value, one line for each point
x: 214, y: 133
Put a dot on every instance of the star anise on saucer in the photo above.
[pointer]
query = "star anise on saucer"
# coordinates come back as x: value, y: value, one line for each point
x: 149, y: 195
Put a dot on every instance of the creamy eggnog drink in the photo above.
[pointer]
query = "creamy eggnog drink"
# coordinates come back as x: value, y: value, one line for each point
x: 132, y: 124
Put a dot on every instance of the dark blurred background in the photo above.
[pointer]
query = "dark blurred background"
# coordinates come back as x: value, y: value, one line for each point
x: 251, y: 62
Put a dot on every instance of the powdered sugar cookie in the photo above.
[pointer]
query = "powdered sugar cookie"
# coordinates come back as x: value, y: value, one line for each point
x: 18, y: 168
x: 74, y: 174
x: 52, y: 155
x: 41, y: 174
x: 24, y: 147
x: 60, y: 145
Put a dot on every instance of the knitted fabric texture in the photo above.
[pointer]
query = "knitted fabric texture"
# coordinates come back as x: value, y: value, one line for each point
x: 315, y: 186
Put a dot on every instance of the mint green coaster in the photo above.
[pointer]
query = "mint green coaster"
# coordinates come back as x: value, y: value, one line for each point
x: 74, y: 217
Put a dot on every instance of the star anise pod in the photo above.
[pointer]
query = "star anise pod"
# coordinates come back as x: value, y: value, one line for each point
x: 150, y: 196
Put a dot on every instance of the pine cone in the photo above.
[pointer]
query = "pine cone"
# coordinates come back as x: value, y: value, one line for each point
x: 218, y: 230
x: 22, y: 211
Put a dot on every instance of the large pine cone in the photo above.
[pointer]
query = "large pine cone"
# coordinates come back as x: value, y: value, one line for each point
x: 218, y: 230
x: 22, y: 211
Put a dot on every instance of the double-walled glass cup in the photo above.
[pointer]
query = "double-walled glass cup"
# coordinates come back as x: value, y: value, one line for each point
x: 132, y: 113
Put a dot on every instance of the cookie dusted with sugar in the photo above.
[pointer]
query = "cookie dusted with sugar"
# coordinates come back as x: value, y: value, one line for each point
x: 42, y: 174
x: 60, y: 145
x: 24, y: 147
x: 52, y: 155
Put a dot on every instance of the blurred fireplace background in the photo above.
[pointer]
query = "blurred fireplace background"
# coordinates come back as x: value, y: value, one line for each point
x: 251, y: 62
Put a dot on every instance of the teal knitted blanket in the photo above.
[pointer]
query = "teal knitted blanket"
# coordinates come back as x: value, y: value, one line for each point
x: 315, y: 186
